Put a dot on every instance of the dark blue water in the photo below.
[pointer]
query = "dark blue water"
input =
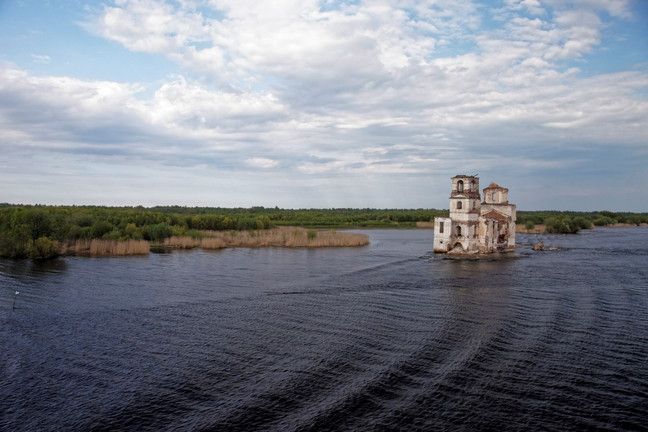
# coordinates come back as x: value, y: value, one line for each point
x: 386, y: 337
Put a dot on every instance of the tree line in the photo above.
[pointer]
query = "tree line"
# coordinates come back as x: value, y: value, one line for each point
x: 570, y: 222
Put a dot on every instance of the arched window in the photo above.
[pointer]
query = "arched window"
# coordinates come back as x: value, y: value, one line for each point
x: 459, y: 205
x: 472, y: 185
x: 458, y: 231
x: 460, y: 186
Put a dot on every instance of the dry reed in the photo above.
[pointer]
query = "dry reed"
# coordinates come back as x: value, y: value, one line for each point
x: 537, y: 229
x: 182, y: 242
x: 276, y: 237
x: 423, y: 224
x: 98, y: 247
x: 291, y: 237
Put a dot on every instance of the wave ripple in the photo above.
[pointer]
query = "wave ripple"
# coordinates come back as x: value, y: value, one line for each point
x: 387, y: 337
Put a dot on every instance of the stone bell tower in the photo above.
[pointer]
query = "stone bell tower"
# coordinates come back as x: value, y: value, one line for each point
x: 460, y: 230
x: 465, y: 200
x: 465, y: 205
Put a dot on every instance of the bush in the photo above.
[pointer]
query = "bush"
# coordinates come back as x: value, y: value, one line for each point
x: 603, y: 220
x: 561, y: 225
x: 529, y: 225
x: 100, y: 228
x: 16, y: 243
x: 262, y: 222
x: 581, y: 222
x: 635, y: 220
x: 84, y: 220
x: 44, y: 248
x: 112, y: 235
x: 39, y: 222
x: 157, y: 232
x: 132, y: 232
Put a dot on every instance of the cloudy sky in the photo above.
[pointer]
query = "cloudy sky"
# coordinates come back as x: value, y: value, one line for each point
x: 323, y: 103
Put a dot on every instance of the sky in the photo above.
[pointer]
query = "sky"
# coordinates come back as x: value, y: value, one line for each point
x: 299, y: 104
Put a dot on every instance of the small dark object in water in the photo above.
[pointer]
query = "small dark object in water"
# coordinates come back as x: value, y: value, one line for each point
x: 538, y: 246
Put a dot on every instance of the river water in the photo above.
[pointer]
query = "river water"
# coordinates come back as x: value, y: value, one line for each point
x: 384, y: 337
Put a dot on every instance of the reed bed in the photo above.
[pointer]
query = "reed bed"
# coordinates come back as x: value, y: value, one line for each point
x: 292, y: 237
x: 537, y: 229
x: 184, y: 242
x: 426, y: 225
x: 97, y: 248
x: 276, y: 237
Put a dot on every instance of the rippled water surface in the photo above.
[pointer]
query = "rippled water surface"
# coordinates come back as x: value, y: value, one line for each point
x: 385, y: 337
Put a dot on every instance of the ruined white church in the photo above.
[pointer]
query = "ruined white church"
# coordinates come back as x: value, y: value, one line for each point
x: 475, y: 226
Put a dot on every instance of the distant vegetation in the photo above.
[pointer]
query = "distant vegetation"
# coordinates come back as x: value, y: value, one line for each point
x: 46, y: 231
x: 567, y: 222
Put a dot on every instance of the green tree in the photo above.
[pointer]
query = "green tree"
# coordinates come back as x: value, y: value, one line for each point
x: 132, y: 232
x: 16, y: 242
x: 99, y: 228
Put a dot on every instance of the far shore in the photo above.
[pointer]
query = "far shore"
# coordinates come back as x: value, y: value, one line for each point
x: 541, y: 228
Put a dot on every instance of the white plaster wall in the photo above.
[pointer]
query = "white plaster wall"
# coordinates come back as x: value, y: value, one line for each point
x: 469, y: 242
x: 453, y: 205
x: 464, y: 217
x: 495, y: 196
x: 511, y: 239
x: 442, y: 240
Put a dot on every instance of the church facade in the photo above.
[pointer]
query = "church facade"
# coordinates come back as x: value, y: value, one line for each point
x: 476, y: 226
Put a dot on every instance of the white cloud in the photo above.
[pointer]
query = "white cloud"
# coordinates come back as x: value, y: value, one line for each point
x: 288, y: 39
x: 259, y: 162
x: 148, y: 25
x: 367, y: 90
x: 190, y: 106
x: 616, y: 8
x: 534, y: 7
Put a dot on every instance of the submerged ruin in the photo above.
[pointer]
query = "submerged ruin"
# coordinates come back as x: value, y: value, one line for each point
x: 476, y: 227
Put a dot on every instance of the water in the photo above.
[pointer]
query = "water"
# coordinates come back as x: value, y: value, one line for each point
x: 386, y: 337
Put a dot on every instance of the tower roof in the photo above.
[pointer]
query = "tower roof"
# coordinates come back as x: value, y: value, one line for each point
x: 465, y: 176
x: 495, y: 186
